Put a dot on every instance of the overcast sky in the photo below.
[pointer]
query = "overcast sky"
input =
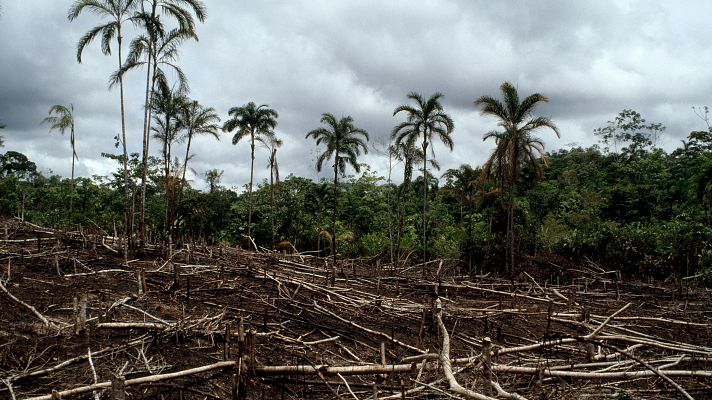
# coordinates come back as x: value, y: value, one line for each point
x: 361, y: 58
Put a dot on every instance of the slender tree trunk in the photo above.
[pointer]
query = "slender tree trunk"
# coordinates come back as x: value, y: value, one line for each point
x: 510, y: 229
x: 127, y: 217
x: 185, y: 163
x: 388, y: 199
x: 144, y: 172
x: 185, y: 168
x: 147, y: 124
x: 166, y: 172
x: 71, y: 196
x: 318, y: 231
x: 144, y: 149
x: 425, y: 196
x: 336, y: 191
x: 510, y: 222
x: 252, y: 170
x: 271, y: 188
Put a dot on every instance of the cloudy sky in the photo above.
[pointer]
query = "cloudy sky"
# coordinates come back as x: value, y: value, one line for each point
x: 361, y: 58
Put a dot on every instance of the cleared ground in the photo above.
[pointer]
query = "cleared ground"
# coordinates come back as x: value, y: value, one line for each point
x: 219, y: 323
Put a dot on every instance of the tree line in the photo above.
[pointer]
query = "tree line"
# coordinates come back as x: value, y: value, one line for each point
x: 636, y: 208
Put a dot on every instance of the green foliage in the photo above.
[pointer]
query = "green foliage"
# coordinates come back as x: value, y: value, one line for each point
x: 647, y: 215
x: 629, y: 134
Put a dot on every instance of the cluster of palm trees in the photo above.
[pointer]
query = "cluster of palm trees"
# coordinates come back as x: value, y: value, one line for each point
x: 155, y: 48
x: 427, y: 121
x: 171, y: 116
x: 177, y: 118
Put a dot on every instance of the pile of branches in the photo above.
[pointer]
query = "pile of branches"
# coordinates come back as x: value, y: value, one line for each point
x: 216, y: 322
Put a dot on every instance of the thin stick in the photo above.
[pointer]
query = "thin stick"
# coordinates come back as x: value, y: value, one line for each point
x: 142, y: 380
x: 9, y: 387
x: 593, y: 334
x: 29, y: 307
x: 93, y: 371
x: 348, y: 387
x: 650, y: 367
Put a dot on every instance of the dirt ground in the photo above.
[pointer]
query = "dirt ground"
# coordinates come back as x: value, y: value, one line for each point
x: 221, y: 323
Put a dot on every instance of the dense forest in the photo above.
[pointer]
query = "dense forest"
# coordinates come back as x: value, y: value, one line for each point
x: 624, y: 203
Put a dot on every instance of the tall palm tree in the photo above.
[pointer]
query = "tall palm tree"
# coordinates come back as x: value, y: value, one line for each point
x: 61, y: 118
x: 158, y: 49
x: 272, y: 143
x: 429, y: 120
x: 197, y: 120
x: 344, y: 142
x: 117, y: 12
x: 515, y: 145
x: 251, y: 121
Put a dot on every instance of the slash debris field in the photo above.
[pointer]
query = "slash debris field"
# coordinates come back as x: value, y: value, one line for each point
x: 222, y: 323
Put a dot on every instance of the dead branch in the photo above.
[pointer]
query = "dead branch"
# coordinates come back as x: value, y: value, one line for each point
x: 648, y: 366
x: 139, y: 381
x: 133, y: 325
x: 445, y: 359
x: 41, y: 317
x: 609, y: 319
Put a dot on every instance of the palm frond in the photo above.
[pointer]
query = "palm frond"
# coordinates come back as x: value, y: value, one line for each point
x: 107, y: 35
x: 88, y: 38
x: 95, y: 6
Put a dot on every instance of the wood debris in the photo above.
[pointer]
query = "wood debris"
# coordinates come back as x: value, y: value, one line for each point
x: 76, y: 323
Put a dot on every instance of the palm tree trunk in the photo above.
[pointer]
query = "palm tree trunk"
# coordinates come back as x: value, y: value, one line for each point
x: 318, y: 232
x: 185, y: 168
x: 388, y: 199
x: 510, y: 228
x: 71, y: 196
x: 510, y: 221
x: 252, y: 170
x: 144, y: 153
x: 399, y: 223
x: 271, y: 188
x: 425, y: 195
x: 333, y: 228
x: 147, y: 122
x: 127, y: 217
x: 166, y: 174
